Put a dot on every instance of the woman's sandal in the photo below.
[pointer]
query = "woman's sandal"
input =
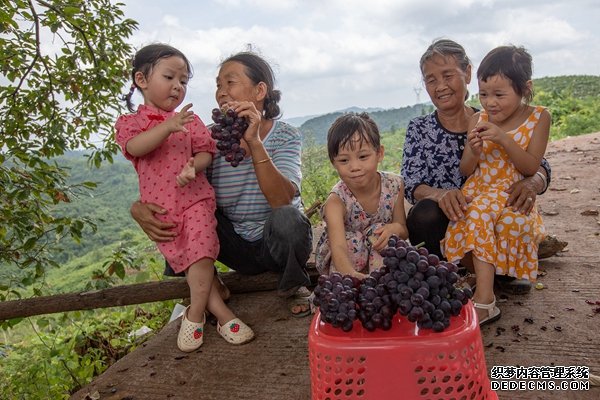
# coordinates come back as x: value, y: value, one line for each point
x: 493, y: 312
x: 300, y: 307
x: 300, y: 303
x: 235, y: 331
x: 191, y: 334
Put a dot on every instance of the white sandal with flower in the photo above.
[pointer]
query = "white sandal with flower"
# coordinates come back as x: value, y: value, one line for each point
x: 235, y: 331
x: 493, y: 312
x: 191, y: 334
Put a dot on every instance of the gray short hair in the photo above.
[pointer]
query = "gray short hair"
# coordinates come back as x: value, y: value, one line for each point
x: 446, y: 48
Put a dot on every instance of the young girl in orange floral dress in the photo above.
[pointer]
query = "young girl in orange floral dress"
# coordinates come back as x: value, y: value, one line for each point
x: 506, y: 142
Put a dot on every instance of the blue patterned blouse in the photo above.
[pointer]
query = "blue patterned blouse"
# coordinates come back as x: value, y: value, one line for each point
x: 432, y: 156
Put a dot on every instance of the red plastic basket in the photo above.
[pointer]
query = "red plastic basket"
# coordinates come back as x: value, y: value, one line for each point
x: 404, y: 362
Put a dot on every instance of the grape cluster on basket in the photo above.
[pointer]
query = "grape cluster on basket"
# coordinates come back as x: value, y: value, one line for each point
x: 228, y: 130
x: 412, y: 282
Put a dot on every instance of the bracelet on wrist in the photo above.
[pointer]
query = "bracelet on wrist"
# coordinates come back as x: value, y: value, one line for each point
x: 544, y: 182
x: 262, y: 161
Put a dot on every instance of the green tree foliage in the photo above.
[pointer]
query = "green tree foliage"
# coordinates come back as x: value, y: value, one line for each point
x: 63, y: 65
x: 318, y: 176
x: 573, y: 101
x: 108, y: 207
x: 578, y: 86
x: 571, y: 115
x: 66, y: 351
x: 393, y: 143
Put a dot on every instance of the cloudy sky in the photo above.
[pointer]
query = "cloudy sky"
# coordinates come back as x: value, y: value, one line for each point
x: 333, y: 54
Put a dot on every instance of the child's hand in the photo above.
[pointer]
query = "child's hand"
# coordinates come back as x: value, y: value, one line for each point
x: 178, y: 121
x: 474, y: 140
x: 384, y: 233
x: 491, y: 132
x: 187, y: 174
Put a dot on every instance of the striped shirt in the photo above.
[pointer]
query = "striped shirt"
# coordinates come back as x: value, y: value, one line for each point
x: 236, y: 188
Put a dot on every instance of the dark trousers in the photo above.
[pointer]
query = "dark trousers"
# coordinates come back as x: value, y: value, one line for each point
x: 426, y: 222
x: 284, y: 248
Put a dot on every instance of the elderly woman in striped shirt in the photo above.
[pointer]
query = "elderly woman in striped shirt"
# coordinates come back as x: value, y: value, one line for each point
x: 260, y: 223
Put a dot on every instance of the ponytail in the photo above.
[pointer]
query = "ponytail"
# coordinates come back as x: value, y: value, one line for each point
x: 127, y: 98
x: 145, y: 59
x: 271, y: 106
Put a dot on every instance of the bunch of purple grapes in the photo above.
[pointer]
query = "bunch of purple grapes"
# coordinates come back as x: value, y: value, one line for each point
x: 422, y: 286
x: 336, y: 297
x: 376, y: 305
x: 228, y: 131
x: 412, y: 282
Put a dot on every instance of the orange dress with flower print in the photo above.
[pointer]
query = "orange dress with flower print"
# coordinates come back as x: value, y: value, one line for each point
x: 495, y: 233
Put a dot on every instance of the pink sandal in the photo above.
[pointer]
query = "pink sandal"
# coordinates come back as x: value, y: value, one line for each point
x: 191, y: 334
x: 235, y: 331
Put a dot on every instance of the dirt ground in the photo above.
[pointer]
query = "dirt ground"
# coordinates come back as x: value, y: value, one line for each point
x: 554, y: 326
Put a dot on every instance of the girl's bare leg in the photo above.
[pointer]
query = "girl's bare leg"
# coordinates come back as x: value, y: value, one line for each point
x: 484, y: 276
x: 467, y: 262
x: 200, y: 277
x: 216, y: 304
x: 221, y: 288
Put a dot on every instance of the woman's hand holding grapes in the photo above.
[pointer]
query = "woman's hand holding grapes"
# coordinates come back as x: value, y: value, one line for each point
x: 248, y: 110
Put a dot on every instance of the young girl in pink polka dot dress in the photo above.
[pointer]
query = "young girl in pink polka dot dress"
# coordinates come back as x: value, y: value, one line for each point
x: 170, y: 152
x: 506, y: 142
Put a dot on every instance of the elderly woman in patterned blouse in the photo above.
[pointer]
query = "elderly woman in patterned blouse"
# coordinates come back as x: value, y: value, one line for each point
x: 433, y: 148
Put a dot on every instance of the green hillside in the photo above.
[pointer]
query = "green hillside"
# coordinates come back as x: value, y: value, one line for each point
x: 578, y: 86
x: 387, y: 121
x: 107, y: 206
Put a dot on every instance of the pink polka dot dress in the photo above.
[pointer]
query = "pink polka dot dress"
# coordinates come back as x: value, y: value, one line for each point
x: 191, y: 207
x: 493, y: 232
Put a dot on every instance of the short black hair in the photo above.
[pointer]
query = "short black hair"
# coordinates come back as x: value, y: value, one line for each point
x: 511, y: 62
x: 343, y: 129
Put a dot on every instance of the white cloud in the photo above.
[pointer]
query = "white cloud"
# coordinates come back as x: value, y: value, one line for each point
x: 329, y: 55
x: 267, y: 4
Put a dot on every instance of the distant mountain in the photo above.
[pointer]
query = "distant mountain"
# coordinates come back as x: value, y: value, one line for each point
x: 386, y: 120
x: 359, y: 109
x: 298, y: 121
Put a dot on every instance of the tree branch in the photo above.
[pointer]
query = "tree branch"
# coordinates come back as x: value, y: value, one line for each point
x: 77, y: 28
x: 36, y: 23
